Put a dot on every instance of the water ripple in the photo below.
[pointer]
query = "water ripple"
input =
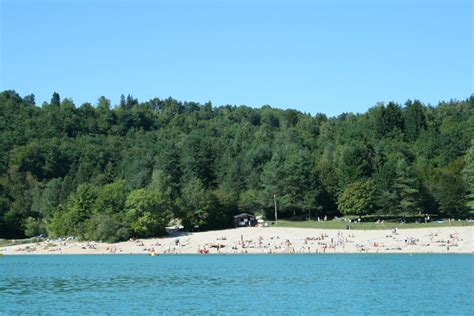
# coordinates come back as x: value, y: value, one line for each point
x: 332, y: 284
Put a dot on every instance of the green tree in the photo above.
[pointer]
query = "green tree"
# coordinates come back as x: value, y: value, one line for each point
x: 71, y: 218
x: 355, y: 163
x: 146, y: 214
x: 358, y: 198
x: 107, y: 228
x: 34, y: 227
x: 197, y: 157
x: 468, y: 175
x: 272, y: 174
x: 291, y: 177
x: 110, y: 198
x: 390, y: 121
x: 406, y: 189
x: 198, y: 206
x: 55, y: 99
x: 450, y: 190
x: 415, y: 120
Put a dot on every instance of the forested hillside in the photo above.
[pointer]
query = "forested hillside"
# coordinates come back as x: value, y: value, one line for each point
x: 104, y: 172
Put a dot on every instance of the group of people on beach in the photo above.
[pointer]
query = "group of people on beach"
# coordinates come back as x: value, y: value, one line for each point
x: 274, y: 244
x: 269, y: 242
x: 323, y: 243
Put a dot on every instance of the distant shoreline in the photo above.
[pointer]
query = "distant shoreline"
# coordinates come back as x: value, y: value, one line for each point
x: 273, y: 240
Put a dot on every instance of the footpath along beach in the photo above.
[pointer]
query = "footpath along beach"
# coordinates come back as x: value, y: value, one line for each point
x: 272, y: 240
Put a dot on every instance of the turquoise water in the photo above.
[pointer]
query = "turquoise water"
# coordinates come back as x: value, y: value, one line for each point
x: 240, y: 284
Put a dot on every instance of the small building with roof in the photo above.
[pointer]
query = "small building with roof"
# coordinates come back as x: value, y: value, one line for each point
x: 245, y: 220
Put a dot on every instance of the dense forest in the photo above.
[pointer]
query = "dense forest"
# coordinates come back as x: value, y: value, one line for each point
x: 104, y: 172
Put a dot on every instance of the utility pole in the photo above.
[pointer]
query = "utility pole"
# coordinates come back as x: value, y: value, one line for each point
x: 276, y: 214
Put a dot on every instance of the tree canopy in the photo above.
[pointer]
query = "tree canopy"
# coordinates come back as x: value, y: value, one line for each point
x: 104, y: 172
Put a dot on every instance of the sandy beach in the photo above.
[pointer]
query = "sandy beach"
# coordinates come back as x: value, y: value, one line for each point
x: 272, y: 241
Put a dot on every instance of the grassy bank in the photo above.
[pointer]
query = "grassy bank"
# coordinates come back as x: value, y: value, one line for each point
x: 364, y: 225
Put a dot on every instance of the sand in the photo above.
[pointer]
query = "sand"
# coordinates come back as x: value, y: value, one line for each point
x: 269, y: 240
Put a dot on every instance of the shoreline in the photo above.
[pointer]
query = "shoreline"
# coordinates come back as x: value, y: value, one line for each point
x: 235, y: 254
x: 271, y: 240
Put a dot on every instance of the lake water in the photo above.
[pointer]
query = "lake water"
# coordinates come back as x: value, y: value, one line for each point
x: 237, y: 284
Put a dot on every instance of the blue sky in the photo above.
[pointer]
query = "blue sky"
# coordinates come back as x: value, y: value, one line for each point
x: 315, y: 56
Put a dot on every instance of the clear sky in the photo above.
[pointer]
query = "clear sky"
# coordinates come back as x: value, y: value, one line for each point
x: 315, y: 56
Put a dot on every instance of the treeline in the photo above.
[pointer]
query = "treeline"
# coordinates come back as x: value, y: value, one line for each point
x: 109, y: 173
